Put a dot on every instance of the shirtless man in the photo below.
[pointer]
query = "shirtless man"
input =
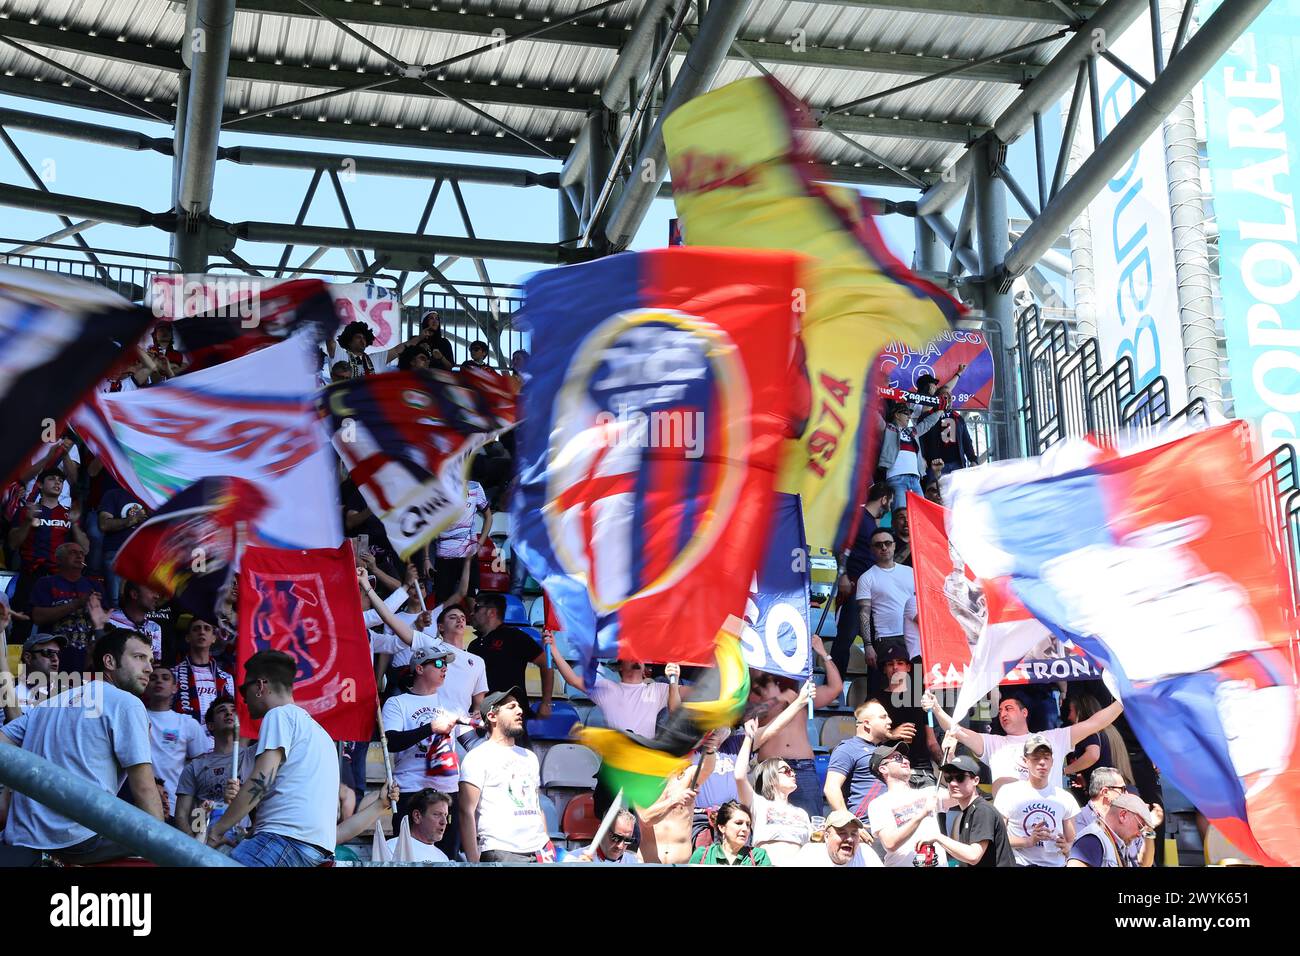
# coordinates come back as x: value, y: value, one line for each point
x: 789, y: 740
x: 666, y: 824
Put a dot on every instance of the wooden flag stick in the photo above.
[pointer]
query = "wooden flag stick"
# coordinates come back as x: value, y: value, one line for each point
x: 383, y: 742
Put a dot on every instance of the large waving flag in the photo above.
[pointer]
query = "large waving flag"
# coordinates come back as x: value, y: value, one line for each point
x: 741, y: 177
x: 640, y: 767
x: 187, y: 549
x: 278, y: 312
x: 306, y: 604
x: 407, y: 439
x: 58, y: 338
x: 1161, y: 566
x: 254, y: 418
x: 654, y: 409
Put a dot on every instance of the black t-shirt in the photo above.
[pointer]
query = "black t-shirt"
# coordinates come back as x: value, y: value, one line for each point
x: 980, y: 822
x: 918, y: 751
x: 506, y: 652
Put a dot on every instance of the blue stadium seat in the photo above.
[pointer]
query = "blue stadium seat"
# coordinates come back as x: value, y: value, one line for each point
x: 515, y: 612
x: 823, y: 762
x: 557, y: 726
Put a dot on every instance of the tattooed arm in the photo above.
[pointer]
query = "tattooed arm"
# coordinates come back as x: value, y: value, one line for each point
x: 251, y: 793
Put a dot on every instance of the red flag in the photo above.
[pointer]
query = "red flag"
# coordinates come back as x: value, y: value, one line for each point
x: 552, y: 619
x: 306, y: 604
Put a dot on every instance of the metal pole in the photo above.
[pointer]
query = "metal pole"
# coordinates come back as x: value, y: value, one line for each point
x: 343, y: 238
x: 1191, y: 251
x: 992, y: 232
x: 1182, y: 72
x: 86, y: 132
x: 76, y: 797
x: 76, y: 206
x: 634, y: 57
x: 1082, y: 277
x: 718, y: 27
x: 375, y: 166
x: 927, y: 248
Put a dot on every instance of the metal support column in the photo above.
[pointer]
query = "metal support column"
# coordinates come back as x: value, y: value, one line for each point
x: 206, y: 50
x: 1191, y: 251
x: 1082, y: 276
x: 926, y: 258
x: 992, y: 235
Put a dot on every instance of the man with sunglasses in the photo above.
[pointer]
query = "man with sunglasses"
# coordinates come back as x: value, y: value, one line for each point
x: 883, y: 593
x: 40, y: 668
x: 903, y: 819
x: 616, y: 848
x: 979, y: 835
x: 861, y: 557
x: 294, y: 786
x: 1105, y: 784
x: 418, y: 732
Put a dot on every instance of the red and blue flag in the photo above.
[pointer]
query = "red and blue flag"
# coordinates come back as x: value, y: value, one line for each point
x: 653, y: 411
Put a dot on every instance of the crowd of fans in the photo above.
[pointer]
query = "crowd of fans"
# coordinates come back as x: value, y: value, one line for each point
x: 157, y: 723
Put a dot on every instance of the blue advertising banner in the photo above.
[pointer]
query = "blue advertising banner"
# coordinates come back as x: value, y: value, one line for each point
x: 776, y: 635
x: 1252, y: 121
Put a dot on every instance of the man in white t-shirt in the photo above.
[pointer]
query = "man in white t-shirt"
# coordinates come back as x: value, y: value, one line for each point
x: 902, y: 817
x: 63, y: 455
x: 429, y: 810
x: 631, y: 703
x: 883, y: 592
x: 842, y: 845
x: 500, y: 816
x: 173, y: 737
x: 1039, y: 813
x: 137, y: 603
x: 294, y: 785
x: 1005, y: 754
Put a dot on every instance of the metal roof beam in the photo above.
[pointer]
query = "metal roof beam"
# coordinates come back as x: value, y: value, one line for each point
x: 904, y: 128
x: 402, y: 168
x: 61, y: 204
x: 86, y: 132
x: 1026, y: 11
x: 212, y: 26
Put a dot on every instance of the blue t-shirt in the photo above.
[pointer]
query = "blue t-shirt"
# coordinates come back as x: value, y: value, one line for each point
x: 852, y: 757
x: 116, y: 502
x: 720, y: 786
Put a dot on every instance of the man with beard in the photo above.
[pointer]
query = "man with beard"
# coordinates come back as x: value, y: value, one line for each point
x: 500, y: 817
x: 138, y: 602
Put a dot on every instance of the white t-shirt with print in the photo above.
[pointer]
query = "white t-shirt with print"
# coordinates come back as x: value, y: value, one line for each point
x: 423, y: 852
x: 173, y: 739
x: 896, y: 807
x: 888, y: 592
x: 1024, y: 807
x: 779, y: 821
x: 459, y: 540
x: 1006, y: 755
x: 509, y: 814
x: 303, y: 800
x: 466, y: 675
x: 816, y: 854
x: 410, y: 766
x: 631, y: 707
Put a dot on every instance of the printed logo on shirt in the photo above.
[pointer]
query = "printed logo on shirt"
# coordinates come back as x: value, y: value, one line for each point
x: 1038, y: 814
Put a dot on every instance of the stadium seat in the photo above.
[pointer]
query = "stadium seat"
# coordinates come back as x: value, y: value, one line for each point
x: 859, y: 692
x: 375, y: 772
x: 552, y: 816
x: 583, y: 707
x: 515, y: 612
x: 1219, y: 851
x: 536, y: 611
x: 580, y: 820
x: 595, y: 718
x: 836, y: 729
x: 857, y: 659
x: 570, y: 765
x: 558, y: 725
x: 15, y: 657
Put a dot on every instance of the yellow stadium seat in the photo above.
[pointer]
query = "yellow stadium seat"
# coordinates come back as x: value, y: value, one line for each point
x: 1219, y: 851
x: 15, y: 658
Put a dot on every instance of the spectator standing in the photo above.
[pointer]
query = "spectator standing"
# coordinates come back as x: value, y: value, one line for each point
x: 1005, y: 754
x: 507, y: 651
x: 61, y: 602
x: 205, y: 777
x: 979, y: 834
x: 458, y: 544
x: 732, y: 845
x: 949, y: 439
x: 173, y: 737
x: 1108, y: 839
x: 501, y: 818
x: 900, y: 449
x: 62, y: 456
x: 478, y: 353
x: 842, y: 845
x: 851, y: 784
x: 199, y: 680
x: 907, y: 720
x: 138, y: 602
x: 779, y: 826
x: 429, y: 812
x: 1039, y: 813
x: 902, y: 818
x: 439, y: 345
x: 1103, y: 749
x: 98, y: 731
x: 631, y: 703
x: 119, y: 514
x: 883, y: 592
x: 902, y: 528
x: 861, y: 557
x: 294, y: 783
x: 39, y: 528
x: 667, y: 825
x: 419, y: 733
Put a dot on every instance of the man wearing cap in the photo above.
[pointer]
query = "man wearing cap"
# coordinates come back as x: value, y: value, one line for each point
x: 419, y: 733
x: 501, y: 819
x: 40, y: 668
x: 979, y: 836
x: 1106, y: 840
x: 1039, y: 813
x: 900, y: 449
x: 842, y: 845
x: 1005, y: 754
x: 1103, y: 786
x: 903, y: 819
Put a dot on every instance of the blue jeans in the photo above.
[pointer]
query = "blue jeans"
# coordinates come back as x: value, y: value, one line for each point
x: 900, y: 485
x: 808, y: 793
x: 272, y: 849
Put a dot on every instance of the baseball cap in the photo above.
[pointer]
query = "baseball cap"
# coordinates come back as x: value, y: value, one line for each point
x: 892, y: 652
x: 842, y: 818
x: 1134, y: 805
x: 884, y: 753
x: 35, y: 639
x: 427, y: 654
x: 963, y: 764
x: 494, y: 700
x: 1036, y: 742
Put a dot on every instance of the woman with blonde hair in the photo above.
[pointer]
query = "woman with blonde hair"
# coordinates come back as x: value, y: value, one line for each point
x: 780, y: 827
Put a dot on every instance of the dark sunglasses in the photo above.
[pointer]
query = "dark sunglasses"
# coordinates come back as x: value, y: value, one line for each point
x: 440, y: 663
x: 882, y: 544
x: 51, y: 652
x: 786, y: 772
x: 620, y: 840
x: 955, y: 777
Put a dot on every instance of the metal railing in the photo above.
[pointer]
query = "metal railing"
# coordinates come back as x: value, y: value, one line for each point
x: 473, y: 312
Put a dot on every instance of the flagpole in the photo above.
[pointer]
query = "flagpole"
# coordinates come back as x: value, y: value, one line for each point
x: 606, y: 823
x: 234, y: 762
x: 840, y: 560
x: 383, y: 741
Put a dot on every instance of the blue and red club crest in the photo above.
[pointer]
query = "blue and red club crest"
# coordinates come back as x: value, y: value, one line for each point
x: 654, y: 401
x: 290, y: 616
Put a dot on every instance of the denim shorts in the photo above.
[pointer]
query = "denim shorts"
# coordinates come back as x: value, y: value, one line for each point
x: 272, y: 849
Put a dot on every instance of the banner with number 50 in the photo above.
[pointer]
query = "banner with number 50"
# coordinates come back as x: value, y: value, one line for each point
x: 776, y: 634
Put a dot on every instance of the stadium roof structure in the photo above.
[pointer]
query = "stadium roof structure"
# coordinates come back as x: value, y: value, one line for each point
x: 925, y: 94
